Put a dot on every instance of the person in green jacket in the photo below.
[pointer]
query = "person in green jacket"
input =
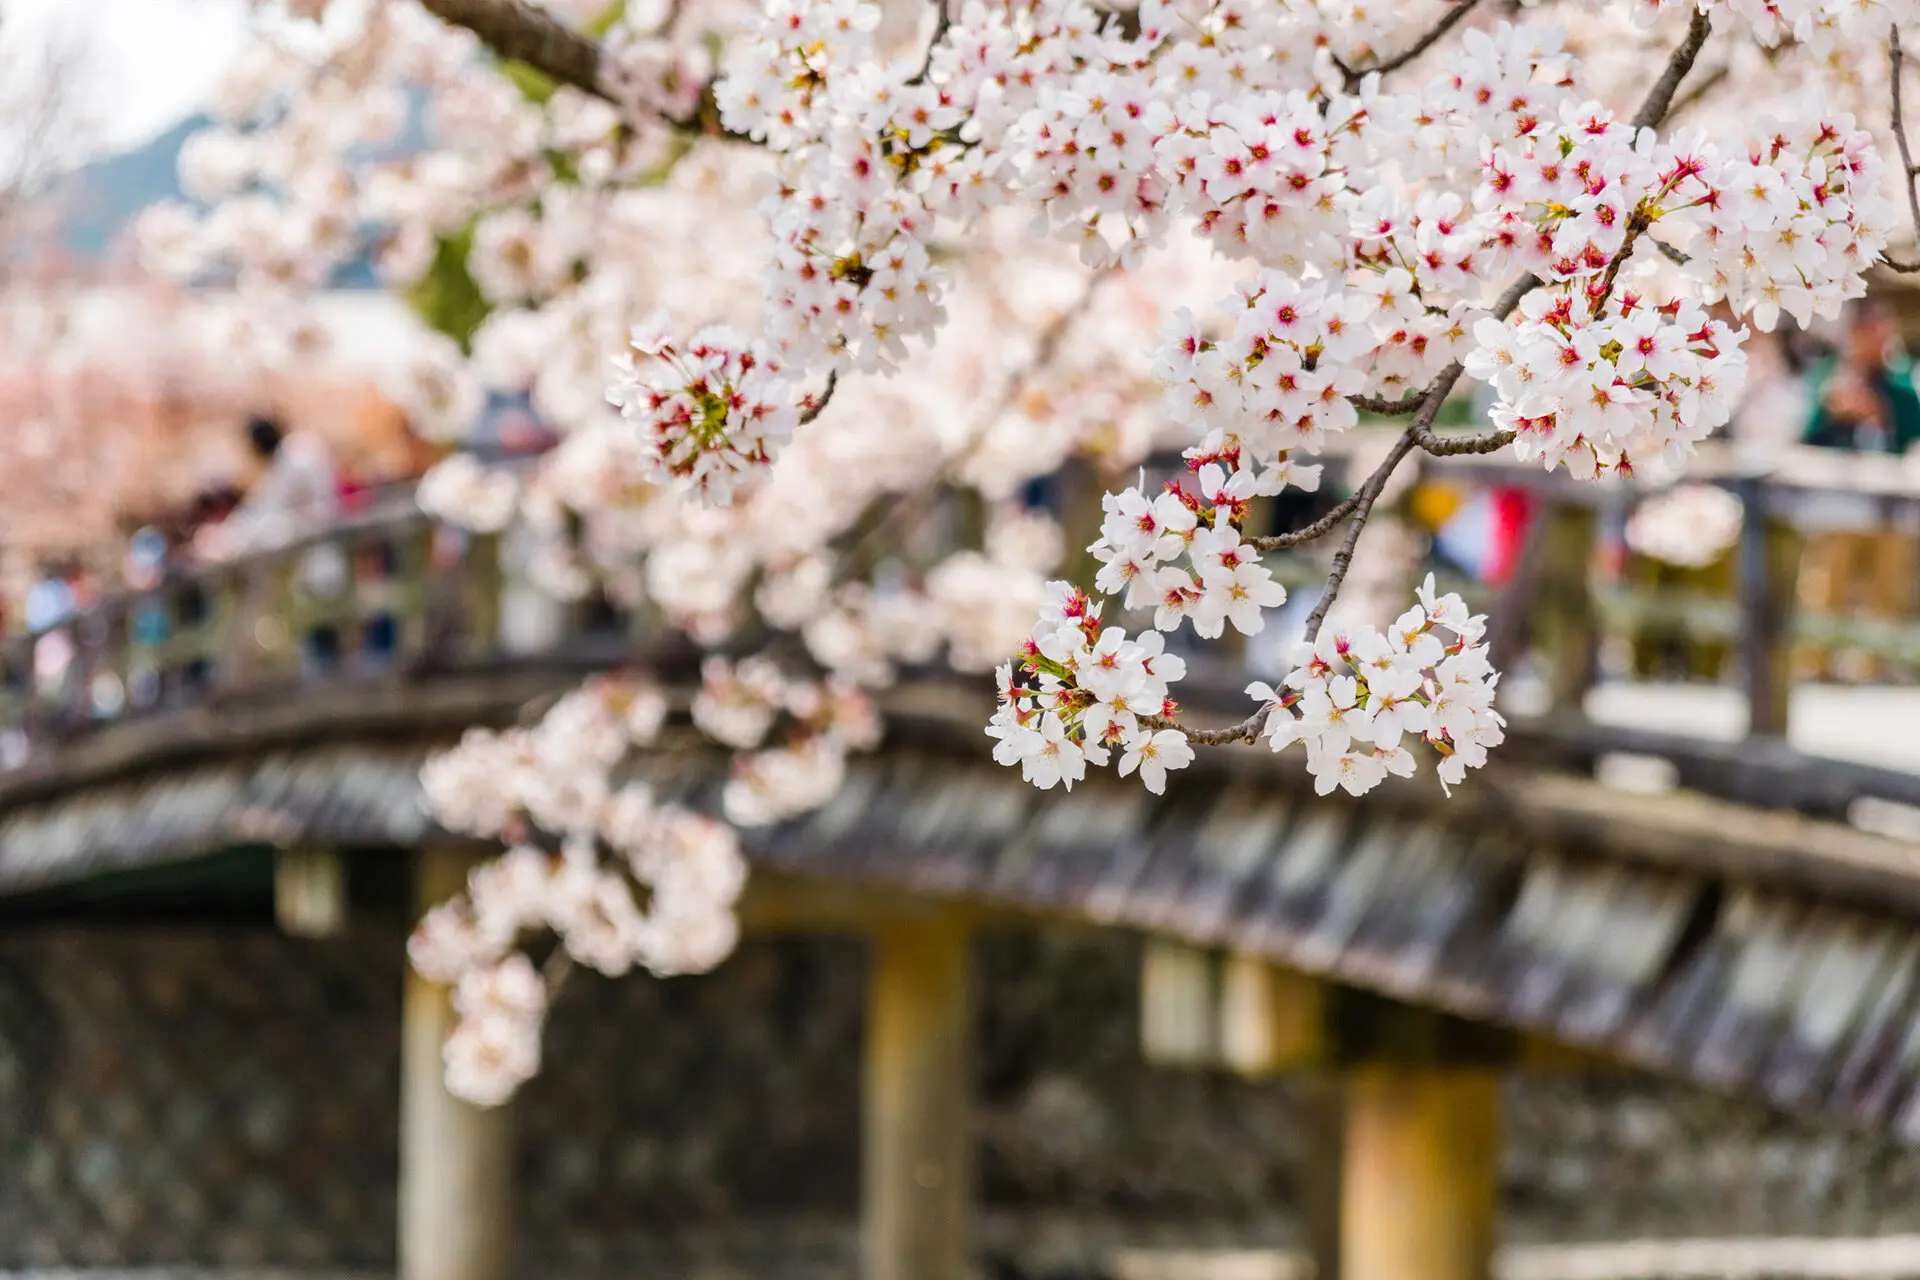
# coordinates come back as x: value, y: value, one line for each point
x: 1863, y: 394
x: 1864, y: 401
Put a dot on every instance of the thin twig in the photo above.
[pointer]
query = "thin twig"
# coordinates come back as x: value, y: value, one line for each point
x: 1368, y: 495
x: 1653, y: 109
x: 1421, y: 428
x: 943, y: 23
x: 818, y: 405
x: 1307, y: 533
x: 1894, y: 59
x: 1354, y: 75
x: 1462, y: 446
x: 1387, y: 408
x: 1359, y: 506
x: 1671, y: 254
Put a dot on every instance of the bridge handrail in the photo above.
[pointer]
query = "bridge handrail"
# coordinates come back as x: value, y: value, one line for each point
x: 415, y: 592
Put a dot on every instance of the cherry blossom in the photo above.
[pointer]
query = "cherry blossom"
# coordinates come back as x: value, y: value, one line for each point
x: 1689, y: 525
x: 888, y: 281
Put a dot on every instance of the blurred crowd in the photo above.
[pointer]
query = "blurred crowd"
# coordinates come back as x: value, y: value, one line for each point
x: 1850, y: 389
x: 292, y: 483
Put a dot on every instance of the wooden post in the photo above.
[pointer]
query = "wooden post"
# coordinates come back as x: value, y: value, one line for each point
x: 1177, y: 1005
x: 1271, y: 1019
x: 309, y: 892
x: 1769, y: 581
x: 917, y: 1174
x: 1321, y: 1164
x: 1566, y: 628
x: 1421, y: 1183
x: 1274, y: 1020
x: 456, y: 1159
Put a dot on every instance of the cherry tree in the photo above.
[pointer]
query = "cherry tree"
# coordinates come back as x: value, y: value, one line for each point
x: 814, y: 290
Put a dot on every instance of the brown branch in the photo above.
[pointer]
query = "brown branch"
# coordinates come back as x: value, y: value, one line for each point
x: 817, y: 405
x: 1369, y: 494
x: 1421, y: 428
x: 1895, y: 59
x: 1308, y: 533
x: 1360, y: 505
x: 522, y: 32
x: 1460, y: 446
x: 1653, y: 109
x: 943, y: 23
x: 525, y: 33
x: 1354, y: 75
x: 1387, y: 408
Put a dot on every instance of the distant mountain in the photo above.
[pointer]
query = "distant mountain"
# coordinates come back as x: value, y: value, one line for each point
x: 105, y: 196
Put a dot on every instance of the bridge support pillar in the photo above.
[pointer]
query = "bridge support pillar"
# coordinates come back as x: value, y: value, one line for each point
x: 309, y: 892
x: 456, y: 1159
x: 1420, y: 1187
x: 1273, y: 1022
x: 917, y: 1161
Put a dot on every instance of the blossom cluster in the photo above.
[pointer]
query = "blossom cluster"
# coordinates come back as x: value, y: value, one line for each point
x: 462, y: 491
x: 740, y: 704
x: 1355, y: 698
x: 897, y: 193
x: 629, y: 879
x: 850, y: 277
x: 709, y: 413
x: 1083, y: 692
x: 1818, y: 24
x: 1689, y: 526
x: 1787, y: 223
x: 1283, y: 377
x: 1595, y: 394
x: 1223, y: 580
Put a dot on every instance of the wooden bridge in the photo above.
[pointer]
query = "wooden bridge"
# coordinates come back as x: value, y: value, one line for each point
x: 1727, y: 926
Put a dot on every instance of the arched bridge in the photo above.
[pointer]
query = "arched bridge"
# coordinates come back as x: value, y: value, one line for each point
x: 1733, y: 930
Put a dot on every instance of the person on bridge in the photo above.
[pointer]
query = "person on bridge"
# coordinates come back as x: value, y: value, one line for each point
x: 1863, y: 401
x: 298, y: 493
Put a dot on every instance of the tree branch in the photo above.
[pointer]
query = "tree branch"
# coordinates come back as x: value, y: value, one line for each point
x: 942, y: 24
x: 1653, y: 109
x: 1895, y: 59
x: 518, y: 31
x: 523, y: 32
x: 1387, y: 408
x: 817, y: 405
x: 1360, y: 505
x: 1671, y: 254
x: 1421, y: 428
x: 1368, y: 494
x: 1354, y: 75
x: 1419, y: 433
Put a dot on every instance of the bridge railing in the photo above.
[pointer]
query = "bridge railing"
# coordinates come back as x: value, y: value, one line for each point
x: 390, y: 591
x: 1569, y: 598
x: 375, y: 594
